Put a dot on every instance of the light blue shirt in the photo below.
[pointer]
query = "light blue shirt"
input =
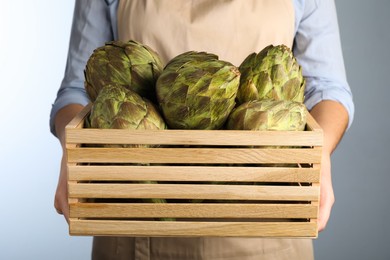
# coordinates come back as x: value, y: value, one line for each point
x: 316, y: 46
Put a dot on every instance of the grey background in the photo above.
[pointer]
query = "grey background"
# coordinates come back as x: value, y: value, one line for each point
x: 34, y: 42
x: 359, y: 225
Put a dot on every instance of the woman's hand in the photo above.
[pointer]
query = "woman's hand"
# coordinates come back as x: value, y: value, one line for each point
x: 61, y: 196
x: 63, y: 117
x: 327, y: 195
x: 333, y: 119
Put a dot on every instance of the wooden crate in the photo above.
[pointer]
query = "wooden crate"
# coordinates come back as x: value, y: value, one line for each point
x: 215, y: 182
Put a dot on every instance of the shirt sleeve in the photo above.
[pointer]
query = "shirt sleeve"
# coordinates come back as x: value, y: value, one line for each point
x: 317, y: 47
x: 92, y: 26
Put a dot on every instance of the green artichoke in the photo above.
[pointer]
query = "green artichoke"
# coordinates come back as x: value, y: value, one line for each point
x: 129, y: 64
x: 268, y: 115
x: 119, y: 108
x: 273, y: 73
x: 186, y: 58
x: 196, y: 90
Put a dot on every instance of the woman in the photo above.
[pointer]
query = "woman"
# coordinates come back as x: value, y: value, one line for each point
x: 232, y: 29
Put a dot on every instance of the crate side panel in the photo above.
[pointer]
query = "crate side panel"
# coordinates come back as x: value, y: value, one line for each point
x: 312, y: 125
x: 78, y: 121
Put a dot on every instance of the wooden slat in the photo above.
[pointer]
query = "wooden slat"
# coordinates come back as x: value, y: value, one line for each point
x: 195, y: 137
x: 316, y: 166
x: 193, y: 155
x: 78, y: 120
x: 312, y: 125
x: 183, y: 210
x: 192, y: 191
x: 313, y: 137
x: 75, y: 123
x: 186, y: 229
x: 192, y: 173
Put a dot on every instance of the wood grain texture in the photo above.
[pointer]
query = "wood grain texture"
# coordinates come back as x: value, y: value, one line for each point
x: 193, y: 191
x: 195, y: 137
x: 311, y: 137
x: 78, y: 121
x: 192, y: 173
x: 196, y: 229
x: 192, y: 210
x: 186, y: 157
x: 193, y: 155
x: 312, y: 124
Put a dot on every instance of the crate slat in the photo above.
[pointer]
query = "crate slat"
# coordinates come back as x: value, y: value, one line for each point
x: 78, y: 121
x: 313, y: 126
x: 192, y: 191
x: 194, y: 137
x: 193, y: 155
x: 185, y: 229
x: 192, y: 173
x: 191, y: 210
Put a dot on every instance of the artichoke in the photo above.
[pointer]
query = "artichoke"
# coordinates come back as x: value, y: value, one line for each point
x: 129, y: 64
x: 119, y: 108
x: 184, y: 59
x: 273, y: 73
x: 196, y: 90
x: 268, y: 115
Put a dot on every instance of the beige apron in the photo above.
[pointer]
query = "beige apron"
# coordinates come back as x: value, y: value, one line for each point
x: 232, y: 29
